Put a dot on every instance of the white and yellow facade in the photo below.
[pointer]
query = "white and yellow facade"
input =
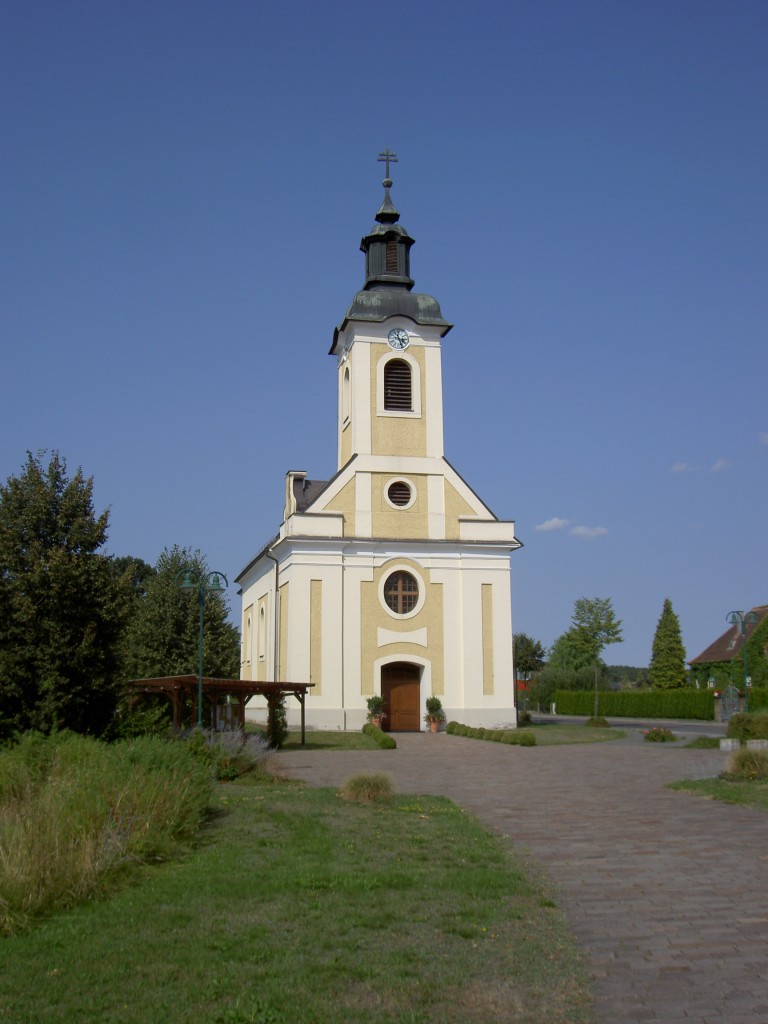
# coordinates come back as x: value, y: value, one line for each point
x: 393, y: 577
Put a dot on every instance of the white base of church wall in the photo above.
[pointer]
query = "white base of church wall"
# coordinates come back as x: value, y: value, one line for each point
x: 353, y: 719
x: 483, y: 718
x: 323, y: 719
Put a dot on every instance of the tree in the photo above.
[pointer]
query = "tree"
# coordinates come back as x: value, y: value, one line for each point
x: 566, y: 669
x: 667, y: 669
x: 529, y: 655
x: 594, y: 627
x: 162, y: 636
x: 61, y: 603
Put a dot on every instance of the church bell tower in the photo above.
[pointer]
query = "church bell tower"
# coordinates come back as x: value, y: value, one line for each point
x: 392, y: 578
x: 389, y: 353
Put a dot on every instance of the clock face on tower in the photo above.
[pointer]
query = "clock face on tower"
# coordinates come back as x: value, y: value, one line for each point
x: 398, y: 338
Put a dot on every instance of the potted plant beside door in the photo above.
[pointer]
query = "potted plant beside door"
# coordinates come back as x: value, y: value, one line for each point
x: 435, y: 715
x: 376, y: 713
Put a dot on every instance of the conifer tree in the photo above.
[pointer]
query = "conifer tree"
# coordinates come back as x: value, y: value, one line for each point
x: 667, y: 668
x: 163, y: 634
x: 61, y: 603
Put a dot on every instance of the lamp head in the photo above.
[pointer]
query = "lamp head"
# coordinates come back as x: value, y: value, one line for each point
x: 215, y: 585
x: 188, y: 581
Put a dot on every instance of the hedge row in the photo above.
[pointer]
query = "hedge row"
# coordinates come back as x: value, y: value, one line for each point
x: 384, y: 740
x: 514, y: 737
x: 682, y: 703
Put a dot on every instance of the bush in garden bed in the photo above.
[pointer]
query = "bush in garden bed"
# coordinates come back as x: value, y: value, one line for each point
x: 385, y: 741
x: 659, y: 735
x: 513, y: 737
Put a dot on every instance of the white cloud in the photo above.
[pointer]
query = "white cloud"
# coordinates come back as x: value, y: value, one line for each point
x: 720, y: 465
x: 588, y: 532
x: 552, y: 524
x: 763, y: 438
x: 682, y: 467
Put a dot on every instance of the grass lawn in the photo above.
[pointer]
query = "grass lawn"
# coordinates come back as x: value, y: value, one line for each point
x: 300, y: 907
x: 749, y: 793
x: 552, y: 733
x: 335, y: 740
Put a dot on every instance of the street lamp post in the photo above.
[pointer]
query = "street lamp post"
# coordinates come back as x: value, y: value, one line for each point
x: 739, y: 618
x: 203, y: 583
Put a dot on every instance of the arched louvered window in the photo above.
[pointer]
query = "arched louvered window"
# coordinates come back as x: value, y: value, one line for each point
x: 345, y: 395
x: 391, y: 258
x: 397, y: 386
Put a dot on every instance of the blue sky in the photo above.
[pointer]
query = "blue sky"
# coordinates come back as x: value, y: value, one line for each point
x: 184, y: 186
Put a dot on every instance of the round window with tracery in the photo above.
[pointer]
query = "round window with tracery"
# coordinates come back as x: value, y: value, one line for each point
x: 401, y: 592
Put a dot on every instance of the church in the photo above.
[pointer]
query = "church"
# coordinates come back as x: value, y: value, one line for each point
x: 393, y: 577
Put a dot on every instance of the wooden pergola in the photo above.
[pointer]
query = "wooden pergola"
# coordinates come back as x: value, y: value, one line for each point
x: 226, y: 697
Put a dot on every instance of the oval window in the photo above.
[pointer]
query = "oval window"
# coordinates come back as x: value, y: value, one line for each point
x: 401, y: 592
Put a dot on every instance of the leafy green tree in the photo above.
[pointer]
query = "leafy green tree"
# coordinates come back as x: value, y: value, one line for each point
x: 569, y: 653
x: 61, y: 603
x: 162, y: 637
x: 667, y: 669
x: 595, y: 626
x: 529, y: 655
x: 567, y: 668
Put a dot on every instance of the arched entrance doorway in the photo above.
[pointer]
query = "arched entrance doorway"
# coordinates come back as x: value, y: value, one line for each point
x: 402, y: 696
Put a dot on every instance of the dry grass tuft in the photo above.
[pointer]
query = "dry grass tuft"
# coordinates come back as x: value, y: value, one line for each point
x: 375, y: 787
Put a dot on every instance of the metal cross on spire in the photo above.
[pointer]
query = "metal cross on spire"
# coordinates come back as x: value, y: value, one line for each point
x: 387, y: 158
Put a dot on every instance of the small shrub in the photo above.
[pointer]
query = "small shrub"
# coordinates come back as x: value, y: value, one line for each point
x: 597, y: 722
x: 524, y: 718
x: 659, y: 735
x: 452, y: 727
x: 147, y: 717
x: 367, y: 789
x: 435, y: 711
x: 512, y: 737
x: 229, y: 753
x: 750, y: 726
x: 747, y: 765
x: 385, y: 741
x: 375, y: 706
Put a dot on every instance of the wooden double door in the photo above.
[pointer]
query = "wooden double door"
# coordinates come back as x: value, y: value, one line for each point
x: 401, y: 690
